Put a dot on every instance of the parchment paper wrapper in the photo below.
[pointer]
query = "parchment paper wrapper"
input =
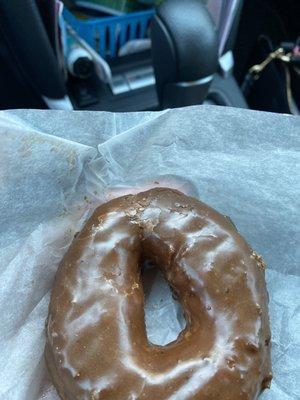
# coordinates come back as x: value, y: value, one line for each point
x: 56, y: 167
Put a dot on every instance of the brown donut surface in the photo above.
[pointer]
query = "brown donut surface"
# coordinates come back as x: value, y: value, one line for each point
x: 97, y: 346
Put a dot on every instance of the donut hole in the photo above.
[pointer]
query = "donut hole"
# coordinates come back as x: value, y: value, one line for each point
x: 164, y: 317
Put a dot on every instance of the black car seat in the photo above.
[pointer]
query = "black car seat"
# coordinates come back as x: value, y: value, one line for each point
x: 192, y: 54
x: 29, y: 69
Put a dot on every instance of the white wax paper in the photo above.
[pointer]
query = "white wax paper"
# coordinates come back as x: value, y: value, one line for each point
x: 56, y: 166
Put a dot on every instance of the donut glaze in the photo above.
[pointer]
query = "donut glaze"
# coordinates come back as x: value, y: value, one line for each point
x: 97, y: 346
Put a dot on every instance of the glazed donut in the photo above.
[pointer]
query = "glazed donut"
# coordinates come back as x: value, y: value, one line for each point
x: 97, y: 346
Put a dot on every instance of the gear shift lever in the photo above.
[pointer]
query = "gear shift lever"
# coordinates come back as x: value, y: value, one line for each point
x: 185, y: 52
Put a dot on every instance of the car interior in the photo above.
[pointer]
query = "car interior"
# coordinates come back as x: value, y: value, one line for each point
x: 90, y: 55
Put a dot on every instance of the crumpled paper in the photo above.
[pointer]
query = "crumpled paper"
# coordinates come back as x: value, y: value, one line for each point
x: 57, y: 166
